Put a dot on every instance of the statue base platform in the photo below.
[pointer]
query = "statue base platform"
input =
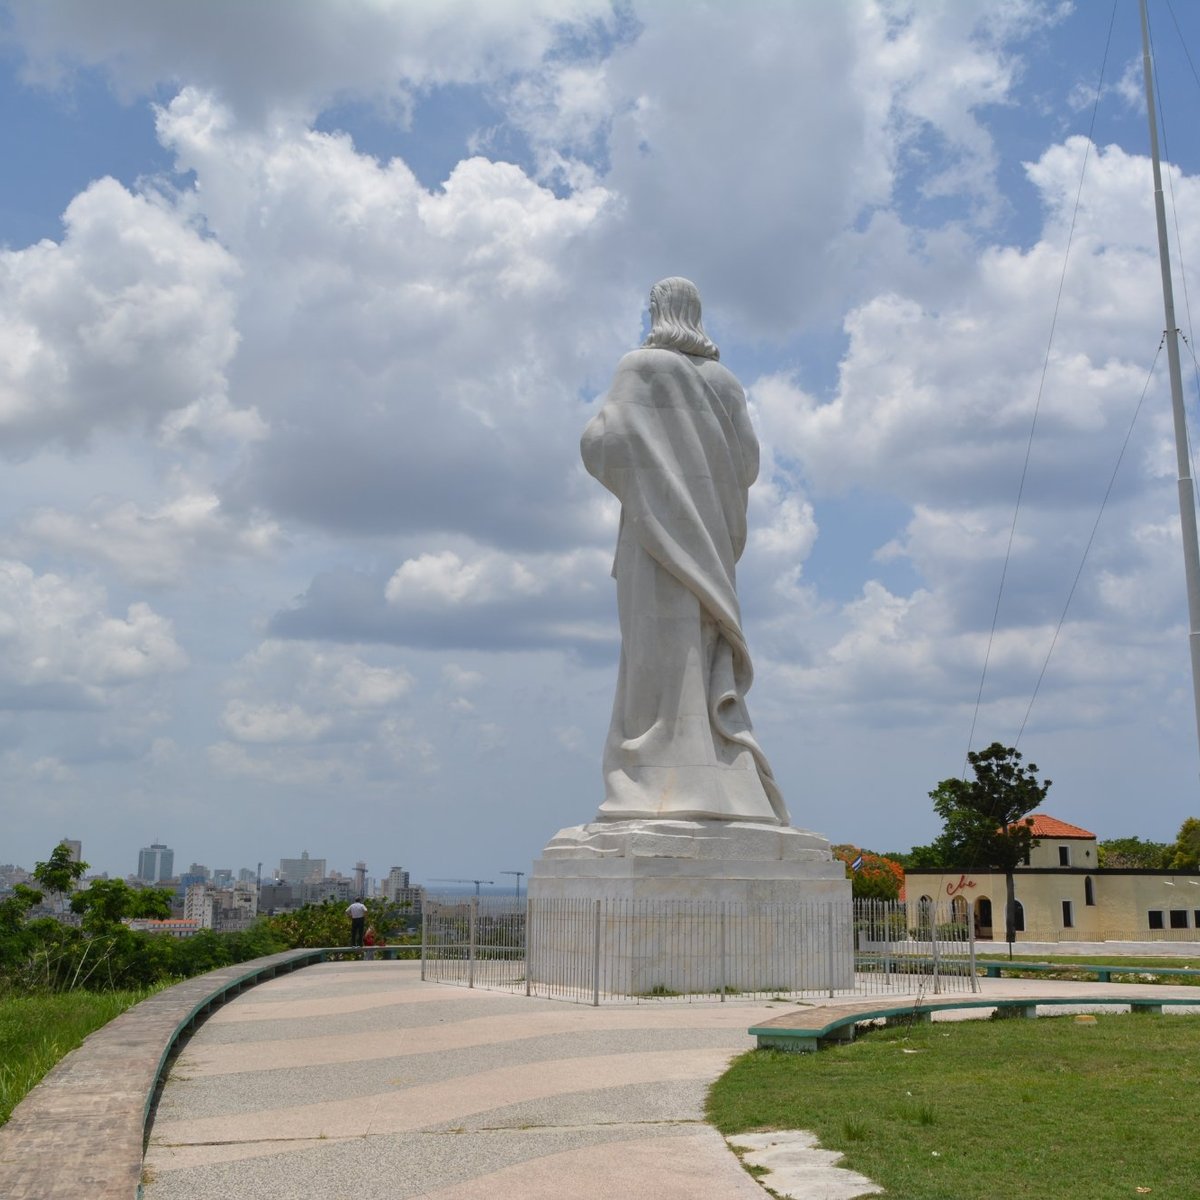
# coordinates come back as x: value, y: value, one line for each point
x: 690, y: 906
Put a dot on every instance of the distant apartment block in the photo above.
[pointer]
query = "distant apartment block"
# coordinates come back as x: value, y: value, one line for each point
x: 278, y: 897
x: 200, y: 906
x: 399, y: 890
x: 333, y: 887
x: 225, y: 910
x: 302, y: 869
x: 11, y: 875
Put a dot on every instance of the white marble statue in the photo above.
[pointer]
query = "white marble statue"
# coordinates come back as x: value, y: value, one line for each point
x: 673, y: 442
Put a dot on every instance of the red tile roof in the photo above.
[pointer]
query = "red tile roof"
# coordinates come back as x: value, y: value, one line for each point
x: 1046, y: 826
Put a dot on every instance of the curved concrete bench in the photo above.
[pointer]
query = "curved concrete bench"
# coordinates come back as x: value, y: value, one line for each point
x: 808, y: 1029
x: 996, y: 968
x: 80, y: 1134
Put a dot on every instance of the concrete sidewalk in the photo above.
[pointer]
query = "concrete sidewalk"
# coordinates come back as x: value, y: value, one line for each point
x: 357, y: 1080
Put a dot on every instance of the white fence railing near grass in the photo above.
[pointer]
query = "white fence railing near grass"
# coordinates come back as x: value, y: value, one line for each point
x: 598, y: 951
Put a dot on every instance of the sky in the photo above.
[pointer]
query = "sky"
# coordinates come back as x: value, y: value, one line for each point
x: 303, y: 308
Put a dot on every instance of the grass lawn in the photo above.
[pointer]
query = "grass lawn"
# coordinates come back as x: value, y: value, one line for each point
x: 36, y: 1031
x: 1050, y: 1109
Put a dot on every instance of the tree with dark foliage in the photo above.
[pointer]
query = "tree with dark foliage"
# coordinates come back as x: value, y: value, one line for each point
x: 985, y: 818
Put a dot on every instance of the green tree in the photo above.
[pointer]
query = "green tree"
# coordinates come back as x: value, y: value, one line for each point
x: 327, y: 924
x: 925, y: 858
x: 1185, y: 853
x: 983, y: 819
x: 107, y: 902
x: 60, y: 873
x: 1132, y: 852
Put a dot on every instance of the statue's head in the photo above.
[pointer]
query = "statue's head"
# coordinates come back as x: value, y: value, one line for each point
x: 675, y: 319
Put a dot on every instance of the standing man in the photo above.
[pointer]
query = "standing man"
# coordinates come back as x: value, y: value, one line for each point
x: 357, y: 912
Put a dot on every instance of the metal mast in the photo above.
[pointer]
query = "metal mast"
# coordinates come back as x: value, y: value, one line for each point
x: 1187, y: 495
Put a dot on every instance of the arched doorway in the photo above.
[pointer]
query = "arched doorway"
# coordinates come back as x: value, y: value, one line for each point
x: 925, y: 916
x: 983, y: 918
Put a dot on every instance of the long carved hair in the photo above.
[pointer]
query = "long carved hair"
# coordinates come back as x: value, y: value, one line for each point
x: 675, y: 319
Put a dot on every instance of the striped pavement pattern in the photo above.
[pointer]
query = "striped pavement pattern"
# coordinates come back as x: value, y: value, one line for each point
x: 357, y: 1080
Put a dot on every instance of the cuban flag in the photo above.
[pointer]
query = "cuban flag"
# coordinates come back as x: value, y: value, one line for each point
x: 857, y: 863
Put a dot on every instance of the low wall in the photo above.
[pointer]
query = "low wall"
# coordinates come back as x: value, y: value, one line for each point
x: 81, y: 1133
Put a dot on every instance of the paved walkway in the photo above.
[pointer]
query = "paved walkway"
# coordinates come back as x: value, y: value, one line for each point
x: 357, y: 1080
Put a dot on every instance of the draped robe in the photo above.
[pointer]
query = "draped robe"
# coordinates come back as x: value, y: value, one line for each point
x: 673, y: 442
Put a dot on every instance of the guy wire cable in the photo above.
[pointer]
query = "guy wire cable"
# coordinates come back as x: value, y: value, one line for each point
x: 1091, y: 538
x: 1041, y: 388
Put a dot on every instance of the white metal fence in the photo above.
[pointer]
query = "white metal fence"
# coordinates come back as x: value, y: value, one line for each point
x: 639, y: 951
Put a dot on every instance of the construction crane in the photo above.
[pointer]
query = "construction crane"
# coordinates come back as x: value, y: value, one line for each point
x: 518, y: 874
x: 476, y: 882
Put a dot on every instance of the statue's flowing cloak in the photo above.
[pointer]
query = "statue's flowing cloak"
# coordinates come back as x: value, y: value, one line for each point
x: 673, y: 442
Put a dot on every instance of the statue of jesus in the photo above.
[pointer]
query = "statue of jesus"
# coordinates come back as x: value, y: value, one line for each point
x: 673, y: 442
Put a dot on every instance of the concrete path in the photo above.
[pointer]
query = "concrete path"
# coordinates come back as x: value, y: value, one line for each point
x: 357, y: 1080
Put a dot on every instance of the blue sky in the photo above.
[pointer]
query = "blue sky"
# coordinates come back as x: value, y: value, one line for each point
x: 303, y: 309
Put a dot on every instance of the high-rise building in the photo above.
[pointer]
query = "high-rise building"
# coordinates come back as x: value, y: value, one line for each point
x: 399, y: 890
x: 397, y: 881
x: 200, y: 905
x: 75, y: 848
x: 156, y: 862
x: 302, y: 869
x: 187, y: 879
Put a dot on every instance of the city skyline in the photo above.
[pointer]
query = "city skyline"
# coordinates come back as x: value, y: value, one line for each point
x: 304, y: 309
x: 162, y: 853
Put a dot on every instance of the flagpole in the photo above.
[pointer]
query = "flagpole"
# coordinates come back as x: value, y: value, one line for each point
x: 1187, y: 494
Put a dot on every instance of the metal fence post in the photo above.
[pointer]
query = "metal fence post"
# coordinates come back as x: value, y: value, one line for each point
x: 971, y: 950
x: 525, y: 938
x: 829, y: 956
x: 933, y: 934
x: 724, y: 973
x: 424, y: 939
x: 596, y: 960
x: 471, y: 947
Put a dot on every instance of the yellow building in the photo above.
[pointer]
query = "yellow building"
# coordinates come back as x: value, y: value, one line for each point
x: 1063, y: 895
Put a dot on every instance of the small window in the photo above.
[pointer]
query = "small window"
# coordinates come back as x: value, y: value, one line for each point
x: 1156, y: 918
x: 1089, y: 892
x: 1196, y: 916
x: 1064, y: 856
x: 1179, y: 918
x: 1068, y: 915
x: 1018, y: 917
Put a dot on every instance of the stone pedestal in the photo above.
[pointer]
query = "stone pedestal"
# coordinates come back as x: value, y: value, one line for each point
x: 645, y: 907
